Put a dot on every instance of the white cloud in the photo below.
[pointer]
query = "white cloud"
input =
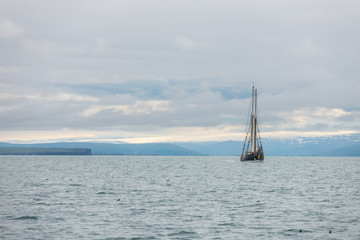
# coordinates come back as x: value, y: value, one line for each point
x: 4, y: 69
x: 58, y: 97
x: 7, y: 108
x: 75, y: 97
x: 145, y: 107
x: 46, y: 135
x: 330, y: 112
x: 102, y: 44
x: 184, y: 43
x: 311, y: 118
x: 48, y: 48
x: 9, y: 29
x: 307, y: 48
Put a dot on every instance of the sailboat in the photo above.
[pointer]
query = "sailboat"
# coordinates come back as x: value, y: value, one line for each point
x: 252, y: 149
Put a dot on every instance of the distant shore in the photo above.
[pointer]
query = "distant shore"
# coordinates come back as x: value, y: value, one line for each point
x: 44, y: 151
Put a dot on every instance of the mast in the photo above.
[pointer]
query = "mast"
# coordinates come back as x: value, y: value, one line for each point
x: 255, y: 102
x: 252, y: 149
x: 253, y: 120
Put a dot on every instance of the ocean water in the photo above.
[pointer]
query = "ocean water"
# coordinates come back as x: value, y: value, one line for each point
x: 141, y: 197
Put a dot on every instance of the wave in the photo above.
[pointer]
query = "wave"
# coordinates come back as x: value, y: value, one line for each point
x: 26, y: 218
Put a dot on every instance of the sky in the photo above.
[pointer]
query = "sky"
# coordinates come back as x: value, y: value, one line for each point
x: 142, y: 71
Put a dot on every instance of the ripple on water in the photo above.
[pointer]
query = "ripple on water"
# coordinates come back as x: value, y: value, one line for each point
x: 117, y: 198
x: 182, y: 233
x: 26, y: 218
x: 75, y: 185
x: 231, y: 224
x: 110, y: 193
x: 116, y: 238
x: 143, y: 238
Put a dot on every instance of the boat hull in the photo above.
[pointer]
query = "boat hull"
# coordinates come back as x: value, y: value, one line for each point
x: 258, y: 156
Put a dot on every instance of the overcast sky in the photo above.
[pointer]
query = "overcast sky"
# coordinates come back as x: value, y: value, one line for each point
x: 177, y: 70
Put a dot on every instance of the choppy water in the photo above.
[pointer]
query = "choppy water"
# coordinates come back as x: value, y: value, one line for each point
x: 118, y: 197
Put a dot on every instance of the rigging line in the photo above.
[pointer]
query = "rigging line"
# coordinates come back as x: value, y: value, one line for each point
x: 248, y: 116
x: 259, y: 135
x: 258, y: 122
x: 247, y: 130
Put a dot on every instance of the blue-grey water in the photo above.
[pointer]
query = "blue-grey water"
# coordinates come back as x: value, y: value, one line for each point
x: 119, y: 197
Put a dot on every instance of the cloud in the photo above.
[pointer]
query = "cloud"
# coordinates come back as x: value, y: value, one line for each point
x: 46, y: 49
x: 139, y: 107
x: 57, y: 97
x: 307, y: 48
x: 313, y: 119
x: 7, y: 69
x: 9, y: 29
x: 170, y: 70
x: 184, y: 43
x: 329, y: 112
x: 102, y: 44
x: 7, y: 108
x: 75, y: 97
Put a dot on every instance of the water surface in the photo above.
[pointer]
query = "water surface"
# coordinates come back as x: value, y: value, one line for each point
x: 120, y: 197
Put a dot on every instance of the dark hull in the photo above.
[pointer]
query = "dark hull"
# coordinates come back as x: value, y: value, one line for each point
x: 259, y: 156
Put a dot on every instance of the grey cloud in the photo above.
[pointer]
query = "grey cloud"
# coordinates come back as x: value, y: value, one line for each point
x: 9, y: 29
x: 200, y: 57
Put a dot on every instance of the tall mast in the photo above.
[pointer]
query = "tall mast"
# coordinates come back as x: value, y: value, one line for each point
x: 252, y: 149
x: 256, y: 102
x: 252, y: 100
x: 253, y: 120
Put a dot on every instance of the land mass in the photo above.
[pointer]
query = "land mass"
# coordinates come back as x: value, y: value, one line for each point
x: 345, y: 145
x: 340, y: 145
x: 150, y: 149
x: 43, y: 151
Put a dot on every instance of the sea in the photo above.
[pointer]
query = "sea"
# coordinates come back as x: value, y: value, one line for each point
x: 160, y: 197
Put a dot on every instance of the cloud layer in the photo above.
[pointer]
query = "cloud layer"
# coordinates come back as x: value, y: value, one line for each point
x: 177, y: 70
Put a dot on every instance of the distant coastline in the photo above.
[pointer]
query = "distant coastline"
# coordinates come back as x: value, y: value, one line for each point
x: 344, y: 145
x: 44, y: 151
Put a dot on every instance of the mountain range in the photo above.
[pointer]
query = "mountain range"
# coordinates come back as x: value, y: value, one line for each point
x: 161, y: 149
x: 344, y: 145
